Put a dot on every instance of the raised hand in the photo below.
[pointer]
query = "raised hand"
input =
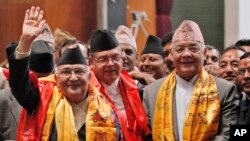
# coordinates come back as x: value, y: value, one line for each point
x: 33, y: 25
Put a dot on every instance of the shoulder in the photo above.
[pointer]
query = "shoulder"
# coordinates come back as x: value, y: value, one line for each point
x: 5, y: 93
x: 224, y: 85
x: 5, y: 97
x: 157, y: 83
x: 152, y: 89
x: 226, y: 89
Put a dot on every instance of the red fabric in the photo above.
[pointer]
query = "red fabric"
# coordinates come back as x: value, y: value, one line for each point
x: 164, y: 6
x: 163, y: 18
x: 30, y: 126
x: 33, y: 77
x: 163, y: 25
x: 134, y: 128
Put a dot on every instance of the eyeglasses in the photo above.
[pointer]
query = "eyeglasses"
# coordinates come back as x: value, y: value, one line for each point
x: 181, y: 49
x: 78, y: 72
x: 105, y: 59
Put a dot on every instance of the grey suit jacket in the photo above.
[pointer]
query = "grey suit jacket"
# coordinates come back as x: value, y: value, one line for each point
x: 229, y: 102
x: 3, y: 81
x: 9, y: 115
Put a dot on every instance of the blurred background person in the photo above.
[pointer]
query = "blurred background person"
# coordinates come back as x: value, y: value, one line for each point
x: 243, y: 44
x: 229, y: 62
x: 151, y: 65
x: 166, y: 44
x: 128, y: 44
x: 211, y: 63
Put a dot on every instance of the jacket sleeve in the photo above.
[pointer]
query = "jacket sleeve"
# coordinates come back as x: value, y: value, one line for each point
x: 229, y: 111
x: 21, y: 87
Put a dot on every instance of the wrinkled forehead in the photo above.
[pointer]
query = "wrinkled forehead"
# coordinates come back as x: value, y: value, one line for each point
x: 232, y: 54
x: 187, y: 44
x: 126, y: 46
x: 212, y: 52
x: 245, y: 62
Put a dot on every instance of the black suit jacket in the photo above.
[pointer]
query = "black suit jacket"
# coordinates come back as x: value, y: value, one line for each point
x: 244, y: 112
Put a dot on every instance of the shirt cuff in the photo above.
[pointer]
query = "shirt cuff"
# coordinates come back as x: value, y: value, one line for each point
x: 21, y: 55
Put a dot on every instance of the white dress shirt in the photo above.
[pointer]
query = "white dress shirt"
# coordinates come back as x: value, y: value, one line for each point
x: 115, y: 95
x: 183, y: 94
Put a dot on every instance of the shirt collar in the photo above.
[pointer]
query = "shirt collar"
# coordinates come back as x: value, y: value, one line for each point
x: 113, y: 86
x: 184, y: 83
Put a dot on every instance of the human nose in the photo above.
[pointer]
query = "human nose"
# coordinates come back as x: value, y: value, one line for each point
x: 73, y: 75
x: 246, y: 74
x: 209, y: 61
x: 186, y: 52
x: 110, y: 61
x: 146, y: 62
x: 229, y: 68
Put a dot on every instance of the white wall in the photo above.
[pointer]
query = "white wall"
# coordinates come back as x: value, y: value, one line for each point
x: 237, y: 20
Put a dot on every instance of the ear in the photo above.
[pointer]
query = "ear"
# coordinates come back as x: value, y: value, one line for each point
x: 205, y: 50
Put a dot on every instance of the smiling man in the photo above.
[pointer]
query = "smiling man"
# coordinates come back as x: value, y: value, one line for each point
x: 63, y: 106
x: 116, y: 85
x: 228, y: 66
x: 189, y: 103
x: 152, y: 58
x: 128, y: 45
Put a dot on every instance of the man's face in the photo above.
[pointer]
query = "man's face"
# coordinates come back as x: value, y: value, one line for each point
x: 72, y: 81
x: 188, y: 58
x: 167, y: 57
x: 244, y: 75
x: 212, y: 57
x: 129, y: 60
x: 229, y: 65
x: 153, y: 64
x: 107, y: 65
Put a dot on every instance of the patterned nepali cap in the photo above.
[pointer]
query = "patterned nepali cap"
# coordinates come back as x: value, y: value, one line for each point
x: 188, y: 31
x: 124, y: 36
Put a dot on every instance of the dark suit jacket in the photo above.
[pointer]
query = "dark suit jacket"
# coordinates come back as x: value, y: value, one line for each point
x: 9, y: 115
x: 244, y: 112
x: 229, y: 102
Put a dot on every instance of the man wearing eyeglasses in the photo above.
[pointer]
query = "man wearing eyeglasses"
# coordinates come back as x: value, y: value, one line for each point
x: 190, y: 104
x: 62, y: 106
x: 116, y: 85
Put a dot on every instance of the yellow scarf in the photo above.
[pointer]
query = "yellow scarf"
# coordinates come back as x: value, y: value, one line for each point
x: 100, y: 120
x: 202, y: 117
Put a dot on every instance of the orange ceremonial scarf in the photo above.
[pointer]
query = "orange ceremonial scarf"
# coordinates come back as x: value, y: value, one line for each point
x: 202, y: 117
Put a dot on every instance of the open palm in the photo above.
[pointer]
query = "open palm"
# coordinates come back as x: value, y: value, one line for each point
x: 33, y: 23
